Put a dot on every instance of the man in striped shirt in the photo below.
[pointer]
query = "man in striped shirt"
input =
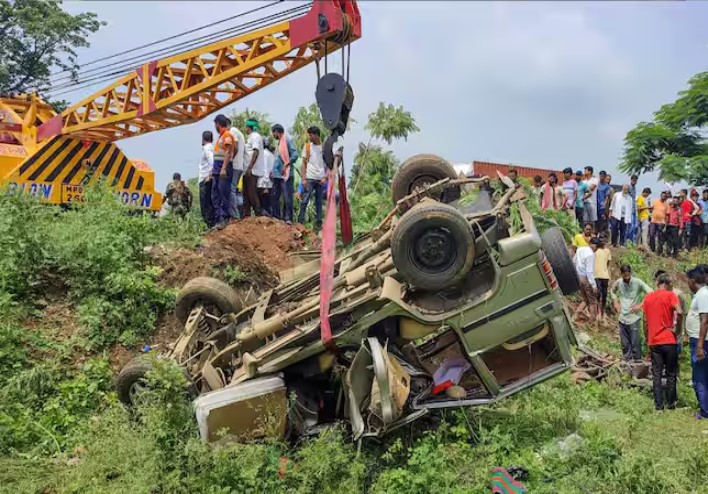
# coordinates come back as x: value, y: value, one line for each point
x: 222, y: 172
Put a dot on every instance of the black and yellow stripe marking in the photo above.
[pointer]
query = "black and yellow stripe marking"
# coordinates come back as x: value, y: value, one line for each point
x: 69, y: 161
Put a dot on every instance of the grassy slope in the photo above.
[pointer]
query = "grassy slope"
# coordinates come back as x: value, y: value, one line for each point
x: 61, y: 429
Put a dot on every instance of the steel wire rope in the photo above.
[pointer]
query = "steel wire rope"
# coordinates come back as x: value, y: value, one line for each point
x: 107, y: 75
x: 178, y: 48
x: 175, y: 36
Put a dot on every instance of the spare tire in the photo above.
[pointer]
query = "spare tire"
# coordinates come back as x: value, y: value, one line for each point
x: 433, y: 246
x: 210, y: 292
x: 421, y: 170
x: 553, y: 245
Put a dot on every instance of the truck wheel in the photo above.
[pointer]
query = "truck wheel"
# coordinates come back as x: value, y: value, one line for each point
x: 131, y: 379
x: 214, y: 294
x: 556, y: 251
x: 421, y: 170
x: 433, y: 246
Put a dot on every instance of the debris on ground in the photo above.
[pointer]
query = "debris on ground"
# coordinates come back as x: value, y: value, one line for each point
x: 593, y: 365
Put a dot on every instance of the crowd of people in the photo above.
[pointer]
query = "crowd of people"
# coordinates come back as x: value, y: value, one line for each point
x: 667, y: 225
x: 669, y: 318
x: 243, y: 174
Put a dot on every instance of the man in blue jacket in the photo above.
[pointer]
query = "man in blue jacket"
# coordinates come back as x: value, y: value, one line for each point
x: 283, y: 175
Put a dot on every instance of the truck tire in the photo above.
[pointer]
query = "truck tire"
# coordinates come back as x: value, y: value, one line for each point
x: 132, y: 378
x: 553, y: 244
x: 433, y: 246
x: 421, y: 170
x: 207, y: 291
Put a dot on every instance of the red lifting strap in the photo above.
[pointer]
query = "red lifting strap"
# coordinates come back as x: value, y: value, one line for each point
x: 329, y: 244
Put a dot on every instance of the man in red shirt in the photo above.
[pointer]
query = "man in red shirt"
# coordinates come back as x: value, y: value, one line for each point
x: 688, y: 210
x: 674, y: 227
x: 662, y: 328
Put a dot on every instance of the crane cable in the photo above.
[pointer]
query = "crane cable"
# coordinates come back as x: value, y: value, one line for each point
x: 170, y: 38
x: 107, y: 75
x: 138, y: 60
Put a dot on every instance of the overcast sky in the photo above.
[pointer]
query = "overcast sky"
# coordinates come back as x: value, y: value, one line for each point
x: 537, y: 84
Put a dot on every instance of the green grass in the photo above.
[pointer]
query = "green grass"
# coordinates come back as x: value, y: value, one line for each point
x: 62, y: 429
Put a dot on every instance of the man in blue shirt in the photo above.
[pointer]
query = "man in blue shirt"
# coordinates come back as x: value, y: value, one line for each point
x: 703, y: 232
x: 603, y: 193
x: 283, y: 176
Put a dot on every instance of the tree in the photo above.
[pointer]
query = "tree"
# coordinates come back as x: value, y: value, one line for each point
x: 37, y: 37
x: 238, y: 120
x: 306, y: 117
x: 675, y: 141
x: 387, y: 123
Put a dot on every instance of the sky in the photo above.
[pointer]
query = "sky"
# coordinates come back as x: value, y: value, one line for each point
x: 539, y: 84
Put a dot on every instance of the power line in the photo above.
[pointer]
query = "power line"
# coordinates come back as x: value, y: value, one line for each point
x: 174, y: 36
x: 130, y: 64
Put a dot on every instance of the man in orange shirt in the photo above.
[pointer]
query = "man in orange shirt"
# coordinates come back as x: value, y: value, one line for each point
x: 222, y: 172
x: 658, y: 223
x: 663, y: 318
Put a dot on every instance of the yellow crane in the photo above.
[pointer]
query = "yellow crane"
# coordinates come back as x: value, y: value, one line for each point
x: 54, y: 156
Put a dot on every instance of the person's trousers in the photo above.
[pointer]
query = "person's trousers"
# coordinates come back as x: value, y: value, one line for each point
x: 264, y: 199
x: 250, y: 195
x: 221, y: 193
x: 673, y: 240
x: 699, y: 378
x: 316, y: 189
x: 602, y: 287
x: 664, y: 361
x: 286, y: 190
x: 619, y: 231
x: 703, y: 238
x: 580, y: 216
x: 236, y: 197
x: 685, y: 241
x: 656, y: 237
x: 631, y: 341
x: 644, y: 233
x: 205, y: 203
x: 601, y: 225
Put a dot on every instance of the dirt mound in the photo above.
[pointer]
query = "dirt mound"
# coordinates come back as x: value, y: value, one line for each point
x: 259, y: 247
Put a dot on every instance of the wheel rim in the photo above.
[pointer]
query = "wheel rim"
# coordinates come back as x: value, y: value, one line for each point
x: 136, y: 389
x: 422, y: 182
x: 434, y: 250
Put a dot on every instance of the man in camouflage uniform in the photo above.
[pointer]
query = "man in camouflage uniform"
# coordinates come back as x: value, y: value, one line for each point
x: 179, y: 197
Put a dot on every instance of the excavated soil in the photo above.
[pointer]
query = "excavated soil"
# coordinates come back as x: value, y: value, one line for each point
x: 259, y: 247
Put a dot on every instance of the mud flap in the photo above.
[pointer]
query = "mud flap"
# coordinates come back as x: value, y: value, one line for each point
x: 377, y: 389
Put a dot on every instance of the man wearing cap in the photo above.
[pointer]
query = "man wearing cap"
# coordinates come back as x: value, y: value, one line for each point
x: 222, y: 172
x: 254, y: 168
x: 570, y: 191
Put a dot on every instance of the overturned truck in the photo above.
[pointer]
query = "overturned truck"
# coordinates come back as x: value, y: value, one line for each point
x: 455, y: 299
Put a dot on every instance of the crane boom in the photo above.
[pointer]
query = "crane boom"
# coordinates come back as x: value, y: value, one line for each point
x: 185, y: 88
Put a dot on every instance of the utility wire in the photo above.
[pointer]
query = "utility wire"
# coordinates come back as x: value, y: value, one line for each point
x: 106, y: 75
x: 130, y: 64
x: 174, y: 36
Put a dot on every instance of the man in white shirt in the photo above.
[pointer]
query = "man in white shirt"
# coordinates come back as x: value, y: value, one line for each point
x: 265, y: 184
x: 205, y: 168
x: 254, y: 167
x: 697, y: 330
x: 239, y: 151
x: 621, y: 215
x: 590, y: 197
x: 313, y: 175
x: 584, y: 261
